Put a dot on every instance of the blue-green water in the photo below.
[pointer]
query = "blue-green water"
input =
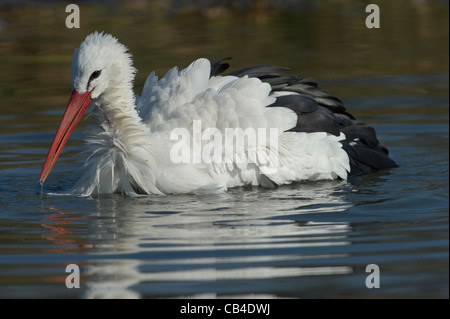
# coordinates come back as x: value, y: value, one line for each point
x: 309, y: 240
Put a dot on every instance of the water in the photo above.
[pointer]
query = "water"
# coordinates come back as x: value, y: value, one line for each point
x: 309, y: 240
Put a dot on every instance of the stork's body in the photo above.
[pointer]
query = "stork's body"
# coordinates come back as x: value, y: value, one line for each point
x: 284, y: 129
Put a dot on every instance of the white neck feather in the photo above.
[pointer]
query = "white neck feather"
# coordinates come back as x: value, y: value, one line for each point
x: 116, y: 106
x: 120, y: 145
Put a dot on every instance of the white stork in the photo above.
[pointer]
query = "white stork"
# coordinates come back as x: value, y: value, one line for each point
x: 251, y: 127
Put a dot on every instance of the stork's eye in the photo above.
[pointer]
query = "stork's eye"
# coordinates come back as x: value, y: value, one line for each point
x: 95, y: 75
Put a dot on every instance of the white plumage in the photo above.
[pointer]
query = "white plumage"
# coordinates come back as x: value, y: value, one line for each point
x: 130, y: 142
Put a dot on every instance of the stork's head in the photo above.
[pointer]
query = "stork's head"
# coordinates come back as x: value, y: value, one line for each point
x: 100, y: 64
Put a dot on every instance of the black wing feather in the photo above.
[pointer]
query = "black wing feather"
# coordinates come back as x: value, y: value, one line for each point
x: 319, y: 111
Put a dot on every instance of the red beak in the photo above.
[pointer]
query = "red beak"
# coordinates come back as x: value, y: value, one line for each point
x: 78, y: 104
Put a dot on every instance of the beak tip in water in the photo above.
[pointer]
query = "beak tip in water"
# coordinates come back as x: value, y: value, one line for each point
x: 77, y: 105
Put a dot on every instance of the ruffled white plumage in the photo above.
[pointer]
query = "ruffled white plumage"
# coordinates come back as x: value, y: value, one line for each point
x: 193, y: 132
x: 130, y: 151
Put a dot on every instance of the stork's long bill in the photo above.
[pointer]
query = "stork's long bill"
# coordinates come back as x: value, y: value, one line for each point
x: 76, y: 107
